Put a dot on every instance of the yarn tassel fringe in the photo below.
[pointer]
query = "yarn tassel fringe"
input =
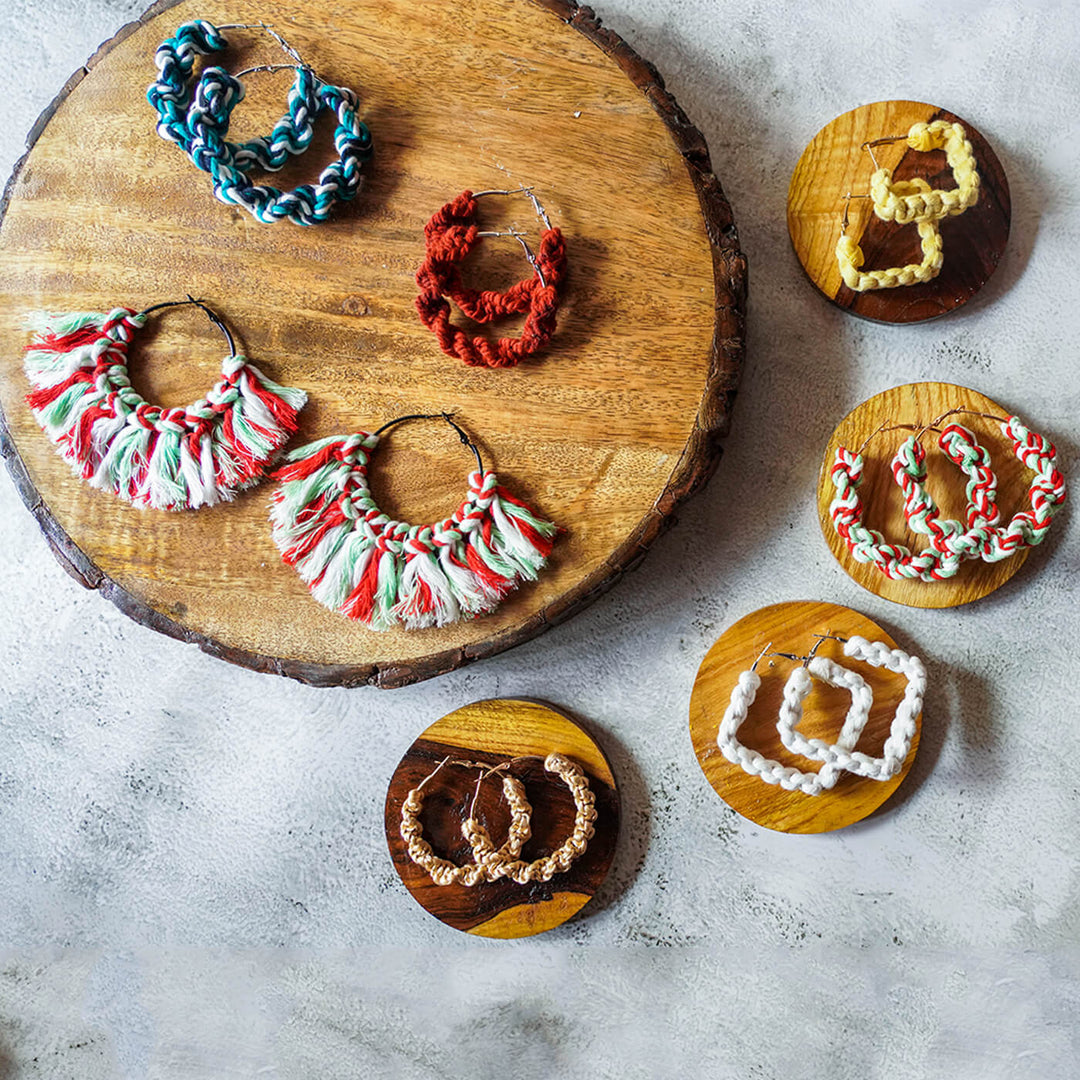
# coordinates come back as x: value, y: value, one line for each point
x: 384, y: 573
x: 168, y: 459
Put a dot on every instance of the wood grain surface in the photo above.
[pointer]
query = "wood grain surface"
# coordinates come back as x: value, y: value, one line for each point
x: 605, y: 432
x: 834, y: 164
x: 494, y: 732
x: 918, y: 403
x: 790, y: 627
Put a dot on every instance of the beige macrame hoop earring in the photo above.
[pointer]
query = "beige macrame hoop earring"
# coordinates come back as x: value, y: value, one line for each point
x: 443, y: 871
x: 563, y: 857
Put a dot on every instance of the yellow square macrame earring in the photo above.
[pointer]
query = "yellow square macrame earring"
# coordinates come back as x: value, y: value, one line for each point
x: 896, y: 201
x: 912, y: 202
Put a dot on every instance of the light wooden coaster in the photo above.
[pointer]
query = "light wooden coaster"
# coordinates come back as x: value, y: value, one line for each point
x: 605, y: 433
x: 918, y: 403
x: 834, y: 164
x: 790, y: 627
x: 493, y: 732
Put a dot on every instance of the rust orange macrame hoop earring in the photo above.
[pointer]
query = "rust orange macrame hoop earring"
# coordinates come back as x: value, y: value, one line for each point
x: 449, y: 237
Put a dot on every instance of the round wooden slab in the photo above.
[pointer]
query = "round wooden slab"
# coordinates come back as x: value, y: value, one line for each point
x: 605, y: 432
x: 791, y: 628
x: 493, y: 732
x: 918, y: 403
x: 834, y: 164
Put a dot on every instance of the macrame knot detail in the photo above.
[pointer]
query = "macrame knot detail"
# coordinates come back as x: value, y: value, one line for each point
x: 449, y: 236
x: 167, y: 459
x: 196, y: 118
x: 386, y: 573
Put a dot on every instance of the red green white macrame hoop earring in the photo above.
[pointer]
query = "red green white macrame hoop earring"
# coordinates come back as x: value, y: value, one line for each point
x: 981, y: 539
x: 960, y: 446
x: 164, y: 458
x: 384, y: 573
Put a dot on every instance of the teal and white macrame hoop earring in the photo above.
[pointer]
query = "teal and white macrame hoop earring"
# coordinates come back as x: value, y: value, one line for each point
x: 164, y: 458
x: 385, y: 573
x: 195, y: 113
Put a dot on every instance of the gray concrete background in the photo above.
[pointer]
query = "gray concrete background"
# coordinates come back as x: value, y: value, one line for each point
x: 194, y: 883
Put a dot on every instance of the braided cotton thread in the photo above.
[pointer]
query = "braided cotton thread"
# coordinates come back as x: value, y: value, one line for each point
x: 915, y: 202
x: 360, y: 562
x: 867, y: 545
x: 750, y: 761
x: 798, y: 687
x: 168, y: 459
x: 449, y: 236
x: 493, y: 864
x: 443, y: 871
x: 196, y: 118
x: 571, y: 849
x: 951, y: 543
x: 904, y: 204
x: 841, y: 754
x: 959, y: 446
x: 850, y: 258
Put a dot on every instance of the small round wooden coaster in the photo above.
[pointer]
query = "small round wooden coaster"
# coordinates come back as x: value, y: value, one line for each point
x: 919, y: 403
x: 493, y: 732
x: 834, y: 164
x: 790, y: 627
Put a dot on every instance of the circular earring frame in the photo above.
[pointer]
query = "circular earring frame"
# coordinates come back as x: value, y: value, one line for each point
x: 180, y: 458
x: 384, y: 573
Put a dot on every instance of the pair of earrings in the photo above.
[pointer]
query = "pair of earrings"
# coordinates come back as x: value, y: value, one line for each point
x: 449, y: 237
x: 354, y: 558
x: 912, y: 202
x: 951, y: 542
x: 841, y: 755
x: 490, y: 863
x: 195, y: 113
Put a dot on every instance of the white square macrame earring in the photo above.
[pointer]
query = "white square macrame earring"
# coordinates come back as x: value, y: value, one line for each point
x: 839, y: 755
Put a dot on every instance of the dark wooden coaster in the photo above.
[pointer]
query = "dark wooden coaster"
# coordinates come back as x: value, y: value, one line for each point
x: 834, y: 164
x: 493, y: 732
x: 919, y: 403
x: 790, y: 627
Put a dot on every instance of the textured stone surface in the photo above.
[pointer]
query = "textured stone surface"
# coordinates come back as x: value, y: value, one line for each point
x: 195, y: 881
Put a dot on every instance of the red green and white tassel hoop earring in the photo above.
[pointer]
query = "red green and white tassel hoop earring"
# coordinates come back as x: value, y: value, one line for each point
x: 385, y: 573
x: 168, y: 459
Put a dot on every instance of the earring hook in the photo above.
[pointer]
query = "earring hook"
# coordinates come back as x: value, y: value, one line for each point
x: 753, y: 666
x: 286, y: 48
x: 541, y: 213
x: 485, y: 772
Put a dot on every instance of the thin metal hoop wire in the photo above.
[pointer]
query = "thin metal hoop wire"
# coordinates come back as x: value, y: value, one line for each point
x: 541, y: 213
x: 448, y: 417
x: 933, y: 425
x: 211, y: 314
